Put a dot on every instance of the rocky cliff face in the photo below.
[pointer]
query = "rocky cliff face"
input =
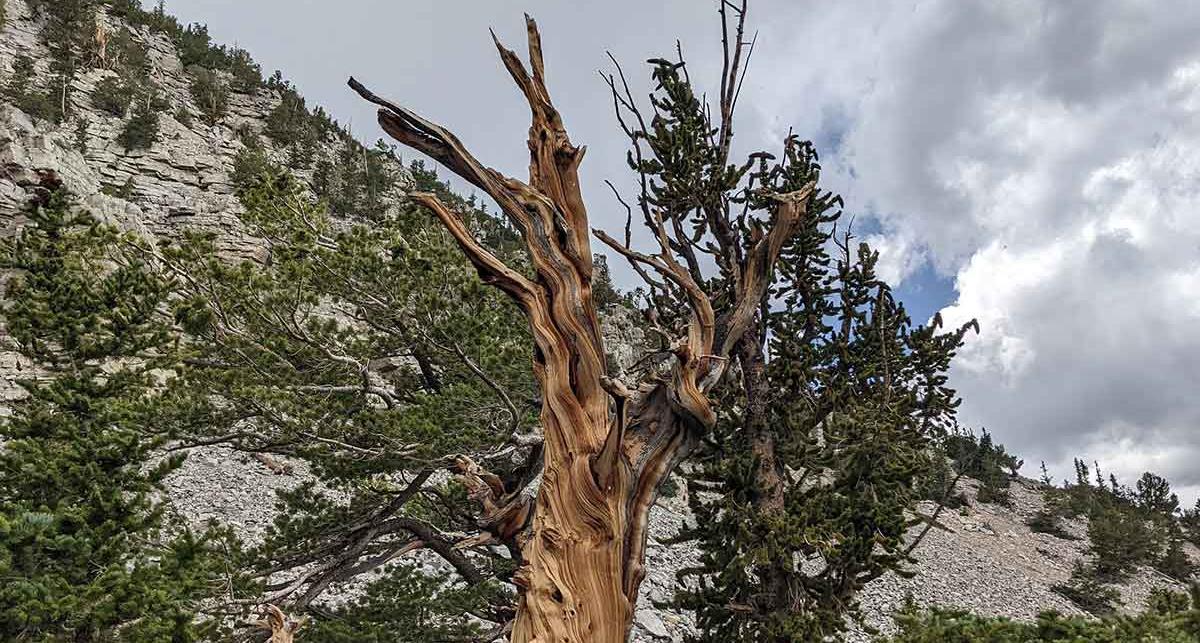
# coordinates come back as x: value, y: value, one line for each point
x: 182, y: 180
x: 986, y: 559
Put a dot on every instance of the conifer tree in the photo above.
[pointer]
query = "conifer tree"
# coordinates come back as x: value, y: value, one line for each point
x: 1153, y: 496
x: 853, y: 395
x: 87, y: 550
x: 1191, y: 523
x: 1171, y: 616
x: 724, y: 233
x: 1174, y: 561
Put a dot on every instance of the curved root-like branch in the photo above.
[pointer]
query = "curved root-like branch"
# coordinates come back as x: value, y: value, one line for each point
x: 505, y: 515
x: 282, y: 628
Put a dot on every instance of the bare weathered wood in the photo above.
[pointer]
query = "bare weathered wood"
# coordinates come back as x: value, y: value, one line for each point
x: 282, y: 628
x: 607, y: 446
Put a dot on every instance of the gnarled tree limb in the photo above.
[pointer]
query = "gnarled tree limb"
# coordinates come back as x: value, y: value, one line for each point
x: 606, y: 448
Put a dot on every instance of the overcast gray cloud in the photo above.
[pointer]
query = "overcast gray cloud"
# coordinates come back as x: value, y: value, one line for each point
x: 1043, y: 154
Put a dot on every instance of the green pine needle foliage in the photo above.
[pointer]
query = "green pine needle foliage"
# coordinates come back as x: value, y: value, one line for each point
x: 87, y: 551
x: 1171, y: 617
x: 141, y: 130
x: 374, y: 397
x: 399, y: 601
x: 210, y: 94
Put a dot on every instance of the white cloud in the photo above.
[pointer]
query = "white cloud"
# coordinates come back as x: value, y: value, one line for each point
x: 899, y: 256
x: 1047, y: 156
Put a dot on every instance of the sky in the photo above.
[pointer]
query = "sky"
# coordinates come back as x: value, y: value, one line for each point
x: 1034, y: 164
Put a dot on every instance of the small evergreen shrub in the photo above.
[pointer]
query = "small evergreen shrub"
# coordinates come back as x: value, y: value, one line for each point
x: 1164, y: 602
x: 938, y: 478
x: 125, y: 191
x: 1086, y: 590
x: 1173, y: 619
x: 210, y: 94
x: 1046, y: 522
x: 250, y: 166
x: 979, y: 457
x: 81, y: 136
x: 132, y: 12
x: 669, y: 488
x: 22, y: 92
x: 962, y: 453
x: 1153, y: 496
x: 248, y: 136
x: 1174, y: 562
x: 603, y: 292
x: 1120, y: 541
x: 994, y: 494
x: 112, y: 95
x: 141, y: 130
x: 355, y: 180
x: 1190, y: 522
x: 398, y: 601
x: 288, y: 122
x: 291, y: 124
x: 247, y: 74
x: 196, y: 49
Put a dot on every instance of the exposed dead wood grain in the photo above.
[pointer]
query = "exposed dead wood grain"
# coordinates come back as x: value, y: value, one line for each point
x: 607, y: 446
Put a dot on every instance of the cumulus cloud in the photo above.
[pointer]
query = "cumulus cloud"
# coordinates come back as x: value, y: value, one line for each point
x: 1046, y: 155
x: 1042, y: 154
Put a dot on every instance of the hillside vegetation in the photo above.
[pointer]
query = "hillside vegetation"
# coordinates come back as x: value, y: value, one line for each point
x: 259, y: 380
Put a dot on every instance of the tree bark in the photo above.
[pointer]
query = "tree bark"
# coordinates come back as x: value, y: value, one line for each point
x: 769, y: 482
x: 768, y: 473
x: 606, y: 448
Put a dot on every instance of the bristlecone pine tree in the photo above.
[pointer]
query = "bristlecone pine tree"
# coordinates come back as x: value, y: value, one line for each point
x: 731, y: 241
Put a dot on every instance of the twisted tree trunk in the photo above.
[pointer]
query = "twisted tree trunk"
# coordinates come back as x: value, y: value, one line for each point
x: 606, y: 448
